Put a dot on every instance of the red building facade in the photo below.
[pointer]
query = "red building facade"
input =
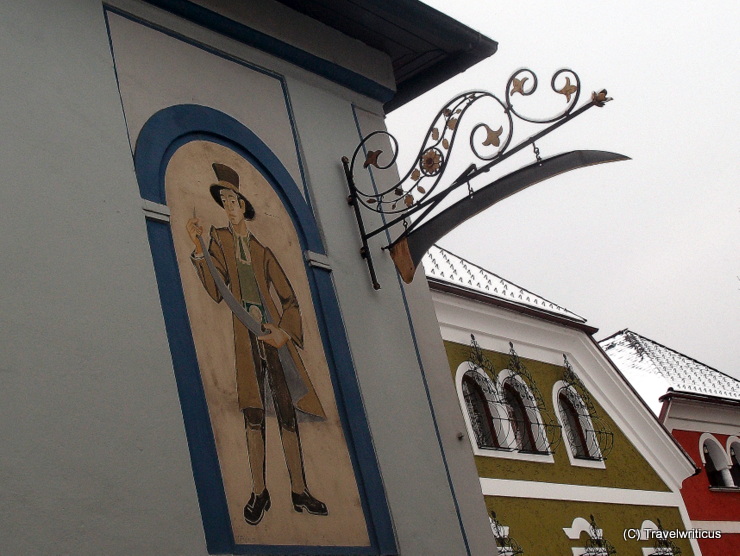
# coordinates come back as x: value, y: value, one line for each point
x: 700, y: 407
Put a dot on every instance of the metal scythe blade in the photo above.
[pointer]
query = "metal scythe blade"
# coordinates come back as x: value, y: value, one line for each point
x: 408, y: 250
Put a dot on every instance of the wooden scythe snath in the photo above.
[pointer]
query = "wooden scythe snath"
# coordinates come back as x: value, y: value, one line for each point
x: 421, y: 190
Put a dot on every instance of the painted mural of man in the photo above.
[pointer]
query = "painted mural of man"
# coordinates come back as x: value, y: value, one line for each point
x: 238, y: 267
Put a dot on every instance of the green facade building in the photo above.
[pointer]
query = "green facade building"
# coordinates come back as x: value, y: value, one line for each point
x: 570, y: 460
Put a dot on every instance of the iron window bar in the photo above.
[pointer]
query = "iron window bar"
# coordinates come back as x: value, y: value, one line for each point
x: 505, y: 544
x: 663, y: 545
x: 545, y: 424
x: 597, y: 545
x: 598, y: 439
x: 531, y: 430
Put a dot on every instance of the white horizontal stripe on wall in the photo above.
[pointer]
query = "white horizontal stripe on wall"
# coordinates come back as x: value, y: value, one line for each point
x: 577, y: 493
x: 724, y: 526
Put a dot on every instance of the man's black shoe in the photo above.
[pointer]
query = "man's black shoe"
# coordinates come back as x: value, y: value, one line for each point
x: 256, y: 507
x: 304, y: 501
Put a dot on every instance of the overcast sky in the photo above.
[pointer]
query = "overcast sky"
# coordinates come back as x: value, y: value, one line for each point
x: 650, y: 244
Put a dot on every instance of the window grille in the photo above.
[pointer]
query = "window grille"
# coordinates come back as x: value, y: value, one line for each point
x: 587, y: 434
x: 505, y: 544
x: 663, y: 545
x: 597, y: 544
x: 509, y: 416
x: 473, y: 387
x: 533, y: 426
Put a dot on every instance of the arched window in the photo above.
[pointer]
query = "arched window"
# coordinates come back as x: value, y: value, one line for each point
x: 519, y: 419
x: 479, y: 411
x: 571, y: 419
x: 716, y: 462
x: 504, y: 410
x: 734, y: 458
x: 714, y: 476
x: 587, y: 436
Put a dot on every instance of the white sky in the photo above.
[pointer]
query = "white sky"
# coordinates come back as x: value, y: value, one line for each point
x: 650, y: 244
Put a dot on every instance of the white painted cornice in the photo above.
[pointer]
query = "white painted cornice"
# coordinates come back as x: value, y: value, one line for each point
x: 544, y: 341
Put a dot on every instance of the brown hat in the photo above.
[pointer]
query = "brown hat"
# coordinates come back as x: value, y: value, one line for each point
x: 229, y: 179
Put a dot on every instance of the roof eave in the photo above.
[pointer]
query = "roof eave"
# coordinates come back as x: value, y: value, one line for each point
x: 695, y: 396
x: 407, y: 31
x: 461, y: 291
x: 453, y: 65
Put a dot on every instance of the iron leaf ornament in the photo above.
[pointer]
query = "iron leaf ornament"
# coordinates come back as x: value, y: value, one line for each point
x: 414, y: 199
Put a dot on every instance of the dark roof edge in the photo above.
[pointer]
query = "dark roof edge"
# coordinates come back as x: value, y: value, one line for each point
x: 481, y: 48
x: 461, y: 291
x: 695, y: 396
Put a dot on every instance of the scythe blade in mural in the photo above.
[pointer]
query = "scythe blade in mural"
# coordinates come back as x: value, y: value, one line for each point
x: 279, y: 439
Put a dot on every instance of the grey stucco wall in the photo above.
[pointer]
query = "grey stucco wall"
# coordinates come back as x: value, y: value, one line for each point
x: 383, y: 351
x: 93, y: 457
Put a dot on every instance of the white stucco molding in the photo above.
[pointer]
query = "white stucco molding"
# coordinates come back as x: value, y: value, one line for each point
x: 155, y: 211
x: 577, y: 528
x: 581, y: 525
x: 578, y: 493
x: 726, y: 527
x: 544, y: 341
x: 733, y: 441
x: 511, y: 452
x: 720, y: 457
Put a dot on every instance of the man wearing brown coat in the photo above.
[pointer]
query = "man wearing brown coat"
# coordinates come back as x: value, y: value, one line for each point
x: 249, y: 270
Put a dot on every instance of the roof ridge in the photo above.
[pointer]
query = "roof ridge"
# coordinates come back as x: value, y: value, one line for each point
x: 486, y: 271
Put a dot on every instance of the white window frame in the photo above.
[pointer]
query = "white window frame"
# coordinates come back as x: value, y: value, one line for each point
x: 586, y: 426
x: 720, y: 458
x: 496, y: 409
x: 574, y: 532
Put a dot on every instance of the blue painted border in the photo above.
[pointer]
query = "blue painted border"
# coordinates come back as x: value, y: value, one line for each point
x: 161, y: 136
x: 210, y: 50
x: 252, y: 37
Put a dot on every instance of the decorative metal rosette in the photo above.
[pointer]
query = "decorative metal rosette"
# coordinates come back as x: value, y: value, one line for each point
x: 488, y: 140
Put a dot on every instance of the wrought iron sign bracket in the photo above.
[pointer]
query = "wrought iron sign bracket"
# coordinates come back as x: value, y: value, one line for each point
x: 423, y: 187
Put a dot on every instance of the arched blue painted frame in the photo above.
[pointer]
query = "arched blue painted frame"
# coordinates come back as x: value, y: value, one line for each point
x: 164, y: 133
